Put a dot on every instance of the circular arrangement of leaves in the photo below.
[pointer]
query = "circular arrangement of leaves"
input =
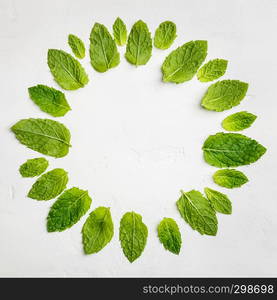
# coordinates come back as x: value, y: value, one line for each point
x: 49, y: 137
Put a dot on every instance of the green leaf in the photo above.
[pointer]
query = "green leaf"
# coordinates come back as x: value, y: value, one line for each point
x: 132, y: 235
x: 43, y: 135
x: 238, y: 121
x: 219, y: 201
x: 165, y: 35
x: 169, y: 235
x: 120, y: 32
x: 98, y: 230
x: 182, y: 63
x: 49, y: 185
x: 49, y: 100
x: 33, y: 167
x: 103, y: 50
x: 231, y: 150
x: 139, y: 45
x: 224, y: 95
x: 229, y: 178
x: 66, y: 70
x: 212, y: 70
x: 71, y: 205
x: 196, y: 210
x: 77, y: 46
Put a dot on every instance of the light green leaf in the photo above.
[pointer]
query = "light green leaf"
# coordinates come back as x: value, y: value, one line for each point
x: 238, y: 121
x: 165, y: 35
x: 212, y: 70
x: 103, y: 50
x: 231, y: 150
x: 224, y: 95
x: 229, y: 178
x: 98, y: 230
x: 43, y: 135
x: 77, y: 46
x: 49, y: 185
x: 71, y: 205
x: 219, y: 201
x: 182, y: 64
x: 120, y: 32
x: 169, y: 235
x: 139, y: 45
x: 33, y: 167
x: 49, y: 100
x: 197, y: 212
x: 66, y: 70
x: 133, y: 235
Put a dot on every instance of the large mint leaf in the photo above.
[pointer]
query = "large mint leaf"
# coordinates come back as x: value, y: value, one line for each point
x: 49, y: 185
x: 197, y: 212
x: 66, y: 70
x: 229, y: 178
x: 219, y: 201
x: 120, y: 32
x: 33, y: 167
x: 231, y: 150
x: 43, y: 135
x: 98, y: 230
x: 49, y: 100
x: 238, y: 121
x: 139, y: 45
x: 103, y: 50
x: 182, y: 64
x: 224, y: 95
x: 133, y: 235
x: 212, y: 70
x: 71, y: 205
x: 77, y: 46
x: 165, y: 35
x: 169, y: 235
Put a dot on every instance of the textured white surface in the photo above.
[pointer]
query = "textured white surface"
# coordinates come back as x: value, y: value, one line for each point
x: 137, y: 141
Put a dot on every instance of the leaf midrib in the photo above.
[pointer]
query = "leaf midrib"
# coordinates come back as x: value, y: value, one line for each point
x: 171, y: 237
x: 221, y: 150
x: 100, y: 230
x: 104, y: 52
x: 188, y: 198
x: 138, y: 48
x: 69, y: 73
x: 45, y: 135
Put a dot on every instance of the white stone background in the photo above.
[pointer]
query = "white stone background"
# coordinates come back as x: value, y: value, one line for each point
x: 137, y: 141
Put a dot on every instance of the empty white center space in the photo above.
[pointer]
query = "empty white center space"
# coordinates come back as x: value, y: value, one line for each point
x: 136, y: 140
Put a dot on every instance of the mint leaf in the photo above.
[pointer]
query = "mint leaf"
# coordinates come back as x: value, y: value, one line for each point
x: 165, y: 35
x: 98, y: 230
x: 66, y: 70
x: 229, y: 178
x: 238, y: 121
x: 103, y: 50
x: 132, y: 235
x: 33, y: 167
x: 212, y: 70
x: 77, y: 46
x: 182, y: 64
x: 49, y: 100
x: 71, y: 205
x: 119, y: 32
x: 231, y: 150
x: 219, y: 201
x: 49, y: 185
x: 139, y: 45
x: 196, y: 210
x: 224, y: 95
x: 43, y: 135
x: 169, y: 235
